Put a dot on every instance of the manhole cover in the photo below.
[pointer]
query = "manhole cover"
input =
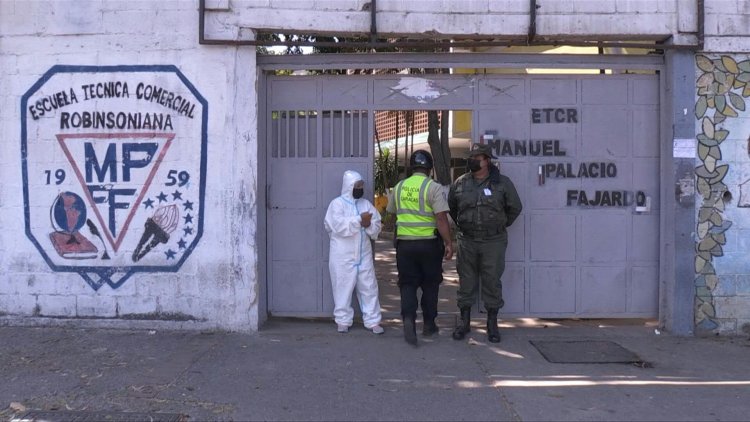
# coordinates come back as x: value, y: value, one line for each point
x: 584, y: 352
x: 84, y: 416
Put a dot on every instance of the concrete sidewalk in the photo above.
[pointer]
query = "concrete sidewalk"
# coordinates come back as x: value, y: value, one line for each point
x: 305, y: 370
x: 387, y: 274
x: 297, y: 370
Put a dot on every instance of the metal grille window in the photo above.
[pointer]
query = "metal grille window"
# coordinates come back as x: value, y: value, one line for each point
x: 294, y: 133
x: 344, y: 133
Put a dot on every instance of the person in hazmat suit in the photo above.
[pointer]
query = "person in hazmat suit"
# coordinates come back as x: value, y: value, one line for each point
x: 351, y: 222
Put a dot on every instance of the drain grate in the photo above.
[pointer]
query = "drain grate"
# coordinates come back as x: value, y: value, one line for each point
x: 585, y: 351
x: 84, y: 416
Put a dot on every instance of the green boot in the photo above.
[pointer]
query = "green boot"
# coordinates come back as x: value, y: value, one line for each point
x: 493, y: 335
x: 463, y: 327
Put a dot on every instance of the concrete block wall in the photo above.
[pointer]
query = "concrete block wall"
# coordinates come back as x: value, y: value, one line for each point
x: 726, y: 24
x: 574, y: 19
x: 216, y: 285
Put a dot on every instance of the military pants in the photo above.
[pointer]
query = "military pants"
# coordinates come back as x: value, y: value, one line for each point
x: 481, y: 260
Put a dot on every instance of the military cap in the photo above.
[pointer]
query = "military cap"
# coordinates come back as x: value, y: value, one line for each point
x: 485, y: 149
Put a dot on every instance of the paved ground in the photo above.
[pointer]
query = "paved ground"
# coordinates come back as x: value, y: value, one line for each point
x: 304, y: 370
x: 387, y: 274
x: 296, y: 370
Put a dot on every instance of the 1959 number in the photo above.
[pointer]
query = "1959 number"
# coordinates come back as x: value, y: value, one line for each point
x: 177, y: 178
x: 59, y: 176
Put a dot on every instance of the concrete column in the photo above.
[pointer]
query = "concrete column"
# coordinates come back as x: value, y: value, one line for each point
x: 677, y: 290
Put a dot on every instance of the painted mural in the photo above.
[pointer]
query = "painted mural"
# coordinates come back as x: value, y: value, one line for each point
x: 114, y: 163
x: 722, y: 85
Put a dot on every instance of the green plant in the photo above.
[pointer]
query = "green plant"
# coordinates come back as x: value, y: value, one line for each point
x: 385, y: 172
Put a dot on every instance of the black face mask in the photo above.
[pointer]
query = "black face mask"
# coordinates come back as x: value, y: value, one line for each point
x: 474, y: 165
x: 358, y: 193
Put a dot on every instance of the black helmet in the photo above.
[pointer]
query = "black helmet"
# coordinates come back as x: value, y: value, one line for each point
x: 421, y: 158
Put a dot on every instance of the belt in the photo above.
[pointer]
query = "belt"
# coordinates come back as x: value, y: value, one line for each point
x: 423, y: 239
x: 481, y: 234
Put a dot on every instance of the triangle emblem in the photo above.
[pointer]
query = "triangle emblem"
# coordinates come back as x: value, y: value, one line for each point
x: 118, y: 169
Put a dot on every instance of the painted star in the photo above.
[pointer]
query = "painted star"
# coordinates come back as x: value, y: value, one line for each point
x: 188, y: 230
x: 176, y: 195
x: 188, y: 219
x: 188, y: 205
x: 149, y: 203
x: 170, y: 254
x: 182, y: 244
x: 162, y: 197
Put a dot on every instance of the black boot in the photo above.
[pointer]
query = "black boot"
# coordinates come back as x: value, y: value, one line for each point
x: 493, y: 335
x: 429, y: 328
x: 410, y: 331
x: 463, y: 327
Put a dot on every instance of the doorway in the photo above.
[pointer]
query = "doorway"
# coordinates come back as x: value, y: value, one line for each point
x: 582, y: 150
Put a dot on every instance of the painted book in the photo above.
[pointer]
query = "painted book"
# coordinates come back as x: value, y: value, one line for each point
x: 73, y: 246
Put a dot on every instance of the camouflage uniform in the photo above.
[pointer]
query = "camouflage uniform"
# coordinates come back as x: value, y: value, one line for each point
x: 482, y: 211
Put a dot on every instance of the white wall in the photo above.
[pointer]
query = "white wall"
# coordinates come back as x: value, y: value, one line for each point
x: 727, y: 26
x: 217, y: 284
x: 727, y: 22
x: 574, y: 19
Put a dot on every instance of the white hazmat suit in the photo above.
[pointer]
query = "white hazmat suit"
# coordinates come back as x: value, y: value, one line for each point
x: 350, y: 261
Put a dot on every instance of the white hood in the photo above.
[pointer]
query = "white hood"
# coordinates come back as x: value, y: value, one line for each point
x: 350, y: 178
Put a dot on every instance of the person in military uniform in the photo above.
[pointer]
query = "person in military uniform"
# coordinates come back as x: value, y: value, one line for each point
x: 483, y: 203
x: 423, y: 239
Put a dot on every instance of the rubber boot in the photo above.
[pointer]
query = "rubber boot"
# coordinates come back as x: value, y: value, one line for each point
x: 463, y: 327
x: 410, y: 331
x: 493, y: 334
x: 429, y: 327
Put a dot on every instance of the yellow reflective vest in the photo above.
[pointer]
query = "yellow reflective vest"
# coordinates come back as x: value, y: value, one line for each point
x: 415, y: 215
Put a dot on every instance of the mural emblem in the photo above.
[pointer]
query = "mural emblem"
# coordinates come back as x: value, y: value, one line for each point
x: 114, y: 163
x: 722, y: 85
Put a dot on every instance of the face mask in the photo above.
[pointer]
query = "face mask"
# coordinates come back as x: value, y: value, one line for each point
x: 358, y: 193
x: 474, y: 165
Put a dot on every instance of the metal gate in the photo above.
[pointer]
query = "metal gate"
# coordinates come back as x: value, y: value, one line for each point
x: 310, y: 143
x: 583, y: 151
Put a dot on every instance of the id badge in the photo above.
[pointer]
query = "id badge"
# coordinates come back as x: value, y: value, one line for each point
x: 487, y: 192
